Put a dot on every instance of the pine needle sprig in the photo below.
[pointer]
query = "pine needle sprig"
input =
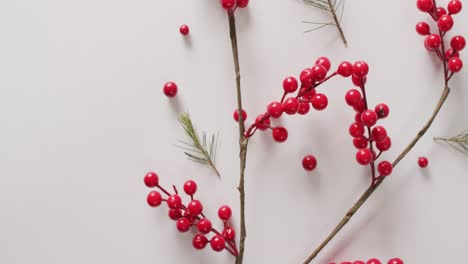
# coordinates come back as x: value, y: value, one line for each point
x: 201, y: 149
x: 459, y: 142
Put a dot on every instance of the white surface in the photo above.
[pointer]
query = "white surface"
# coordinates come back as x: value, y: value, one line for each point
x: 83, y: 118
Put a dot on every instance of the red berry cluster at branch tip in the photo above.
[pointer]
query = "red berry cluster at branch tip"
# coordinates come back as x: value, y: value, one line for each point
x: 191, y: 215
x: 434, y: 41
x: 423, y: 162
x: 231, y: 5
x: 170, y: 89
x: 371, y: 261
x: 184, y: 30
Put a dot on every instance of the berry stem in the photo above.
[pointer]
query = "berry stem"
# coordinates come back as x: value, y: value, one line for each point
x: 337, y: 22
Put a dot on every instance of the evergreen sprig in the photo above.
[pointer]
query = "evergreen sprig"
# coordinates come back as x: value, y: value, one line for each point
x: 459, y: 142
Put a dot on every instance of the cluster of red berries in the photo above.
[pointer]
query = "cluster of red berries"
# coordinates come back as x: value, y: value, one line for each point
x: 434, y: 42
x: 191, y: 215
x: 231, y: 5
x: 372, y: 261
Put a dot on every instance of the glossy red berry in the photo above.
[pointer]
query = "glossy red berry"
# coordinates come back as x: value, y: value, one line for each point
x: 304, y: 108
x: 379, y: 133
x: 290, y: 84
x: 228, y: 4
x: 275, y: 109
x: 309, y: 95
x: 224, y: 212
x: 183, y: 225
x: 353, y: 97
x: 395, y: 261
x: 432, y: 42
x: 229, y: 233
x: 451, y: 53
x: 423, y: 28
x: 360, y: 142
x: 359, y: 262
x: 356, y: 130
x: 445, y: 23
x: 323, y: 61
x: 174, y: 201
x: 154, y: 199
x: 318, y: 73
x: 217, y: 243
x: 199, y: 241
x: 454, y: 7
x: 184, y: 30
x: 280, y: 134
x: 291, y: 106
x: 360, y: 107
x: 382, y: 110
x: 458, y: 43
x: 385, y: 168
x: 319, y: 101
x: 204, y: 226
x: 236, y: 115
x: 358, y: 81
x: 151, y: 179
x: 440, y: 11
x: 345, y: 69
x: 263, y: 125
x: 242, y: 3
x: 175, y: 214
x: 423, y: 162
x: 364, y: 156
x: 425, y: 5
x: 373, y: 261
x: 306, y: 77
x: 455, y: 64
x: 384, y: 145
x: 360, y: 69
x: 170, y: 89
x: 369, y: 118
x: 195, y: 207
x: 309, y: 163
x: 190, y: 187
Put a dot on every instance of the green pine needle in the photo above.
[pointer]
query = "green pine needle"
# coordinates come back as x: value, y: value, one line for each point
x: 199, y: 150
x: 459, y: 142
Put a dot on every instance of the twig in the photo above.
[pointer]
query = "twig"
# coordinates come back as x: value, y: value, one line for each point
x: 337, y: 22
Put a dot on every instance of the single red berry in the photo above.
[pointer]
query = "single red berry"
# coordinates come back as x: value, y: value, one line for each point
x: 382, y: 110
x: 204, y: 226
x: 275, y: 109
x: 458, y: 43
x: 360, y: 142
x: 432, y: 42
x: 309, y: 163
x: 356, y: 130
x: 170, y: 89
x: 373, y: 261
x: 183, y: 225
x: 425, y: 5
x: 242, y: 3
x: 217, y: 243
x: 445, y: 23
x: 360, y: 107
x: 357, y: 117
x: 451, y: 53
x: 174, y: 201
x: 358, y: 81
x: 229, y: 233
x: 236, y: 115
x: 306, y: 77
x: 379, y: 133
x: 454, y: 7
x: 440, y: 11
x: 304, y: 108
x: 224, y: 212
x: 195, y: 207
x: 280, y: 134
x: 395, y: 261
x: 364, y: 156
x: 199, y: 241
x: 309, y: 95
x: 384, y: 145
x: 319, y: 101
x: 318, y: 73
x: 323, y: 61
x: 263, y: 125
x: 151, y: 179
x: 455, y: 64
x: 190, y: 187
x: 228, y: 4
x: 290, y: 84
x: 423, y: 28
x: 175, y: 214
x: 154, y: 199
x: 385, y: 168
x: 423, y: 162
x: 369, y: 118
x: 353, y: 97
x: 184, y: 30
x: 345, y: 69
x: 360, y: 69
x: 291, y: 106
x: 190, y: 216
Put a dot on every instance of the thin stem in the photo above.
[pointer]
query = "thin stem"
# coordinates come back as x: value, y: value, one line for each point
x: 337, y: 22
x: 373, y: 187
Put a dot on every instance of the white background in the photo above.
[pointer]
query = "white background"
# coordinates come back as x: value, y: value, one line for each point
x: 83, y: 118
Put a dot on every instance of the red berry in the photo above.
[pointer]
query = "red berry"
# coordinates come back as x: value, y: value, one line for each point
x: 304, y: 108
x: 183, y: 225
x: 353, y: 97
x: 174, y: 201
x: 360, y: 69
x: 454, y: 7
x: 290, y: 84
x: 382, y: 110
x: 154, y: 199
x: 379, y: 133
x: 151, y: 179
x: 309, y: 163
x: 423, y: 162
x: 360, y: 107
x: 356, y: 130
x: 384, y: 145
x: 369, y: 118
x: 291, y: 106
x: 432, y: 42
x: 264, y: 125
x: 309, y: 95
x: 190, y: 187
x: 170, y: 89
x: 358, y: 81
x: 360, y: 143
x: 357, y: 117
x: 323, y: 61
x: 195, y: 207
x: 175, y: 214
x: 364, y: 156
x: 228, y: 4
x: 184, y: 30
x: 359, y: 262
x: 229, y: 233
x: 373, y: 261
x: 425, y: 5
x: 455, y: 64
x: 224, y: 212
x: 440, y: 11
x: 275, y: 109
x: 242, y: 3
x: 423, y: 28
x: 236, y: 115
x: 306, y: 77
x: 280, y: 134
x: 345, y: 69
x: 319, y: 101
x: 458, y: 43
x: 217, y: 243
x: 385, y: 168
x: 204, y: 226
x: 199, y: 241
x: 318, y: 73
x: 451, y: 53
x: 395, y: 261
x: 445, y: 23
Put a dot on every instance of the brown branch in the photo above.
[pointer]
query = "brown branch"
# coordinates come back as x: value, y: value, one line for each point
x: 337, y: 22
x: 242, y: 140
x: 372, y: 188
